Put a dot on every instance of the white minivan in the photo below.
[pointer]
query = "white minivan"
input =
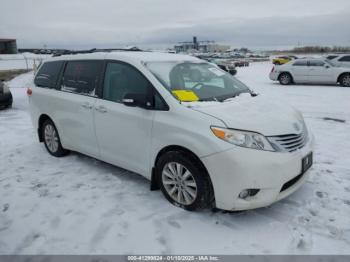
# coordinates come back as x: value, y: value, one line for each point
x: 200, y: 135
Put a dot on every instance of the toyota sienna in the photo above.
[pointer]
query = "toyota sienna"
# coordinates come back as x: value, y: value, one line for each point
x: 196, y: 132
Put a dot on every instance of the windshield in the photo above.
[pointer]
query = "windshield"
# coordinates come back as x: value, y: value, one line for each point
x: 191, y: 81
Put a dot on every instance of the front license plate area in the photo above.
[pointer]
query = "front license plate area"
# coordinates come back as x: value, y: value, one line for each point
x: 307, y: 162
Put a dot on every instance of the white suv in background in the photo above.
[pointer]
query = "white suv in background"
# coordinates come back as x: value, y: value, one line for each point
x: 311, y: 71
x: 191, y: 128
x: 340, y: 60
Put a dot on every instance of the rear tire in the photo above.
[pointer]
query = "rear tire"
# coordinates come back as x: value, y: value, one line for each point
x: 345, y: 80
x: 285, y: 79
x: 183, y: 181
x: 52, y: 139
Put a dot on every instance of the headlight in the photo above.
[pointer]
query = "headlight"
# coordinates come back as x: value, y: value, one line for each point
x: 243, y: 138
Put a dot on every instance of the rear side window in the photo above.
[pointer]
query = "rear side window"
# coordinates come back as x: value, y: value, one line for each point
x: 345, y: 59
x: 300, y: 63
x: 82, y: 77
x: 48, y: 74
x: 316, y: 63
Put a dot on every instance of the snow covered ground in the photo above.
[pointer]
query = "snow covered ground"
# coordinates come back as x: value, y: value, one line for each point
x: 79, y: 205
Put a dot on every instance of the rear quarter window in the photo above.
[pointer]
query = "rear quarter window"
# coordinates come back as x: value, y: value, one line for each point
x: 48, y: 73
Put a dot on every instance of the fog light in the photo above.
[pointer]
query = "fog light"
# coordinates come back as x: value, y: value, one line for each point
x: 244, y: 194
x: 248, y: 193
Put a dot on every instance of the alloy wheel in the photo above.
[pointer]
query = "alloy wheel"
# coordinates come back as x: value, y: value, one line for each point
x: 51, y: 138
x: 179, y: 183
x: 346, y: 80
x: 285, y: 79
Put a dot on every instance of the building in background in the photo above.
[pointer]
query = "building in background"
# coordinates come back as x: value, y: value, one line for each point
x: 200, y: 46
x: 8, y: 46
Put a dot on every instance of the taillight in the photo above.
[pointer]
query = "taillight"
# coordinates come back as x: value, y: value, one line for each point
x: 29, y: 91
x: 273, y: 69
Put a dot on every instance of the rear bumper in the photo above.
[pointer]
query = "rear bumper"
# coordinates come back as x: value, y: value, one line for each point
x: 240, y: 168
x: 5, y: 100
x: 273, y: 76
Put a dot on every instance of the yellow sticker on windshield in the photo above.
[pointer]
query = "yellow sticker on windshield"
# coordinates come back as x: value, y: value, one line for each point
x: 185, y: 95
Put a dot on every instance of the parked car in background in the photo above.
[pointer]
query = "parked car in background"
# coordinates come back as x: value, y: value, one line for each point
x: 282, y: 60
x: 199, y: 134
x: 341, y: 60
x: 241, y: 63
x: 5, y: 96
x: 225, y: 64
x: 313, y: 71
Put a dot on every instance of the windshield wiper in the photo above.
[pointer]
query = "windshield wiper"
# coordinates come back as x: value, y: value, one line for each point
x: 237, y: 94
x: 224, y: 98
x: 208, y: 99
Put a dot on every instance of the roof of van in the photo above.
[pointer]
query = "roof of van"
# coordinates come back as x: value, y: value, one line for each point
x: 128, y: 55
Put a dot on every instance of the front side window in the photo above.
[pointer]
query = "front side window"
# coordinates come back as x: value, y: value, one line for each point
x: 121, y: 79
x: 345, y: 59
x: 82, y: 77
x: 316, y: 63
x: 300, y: 63
x: 196, y: 81
x: 48, y: 74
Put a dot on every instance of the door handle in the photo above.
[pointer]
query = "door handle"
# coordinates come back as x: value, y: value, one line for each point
x: 86, y: 105
x: 101, y: 109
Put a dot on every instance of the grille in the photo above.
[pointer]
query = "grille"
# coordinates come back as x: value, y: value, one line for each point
x: 290, y: 142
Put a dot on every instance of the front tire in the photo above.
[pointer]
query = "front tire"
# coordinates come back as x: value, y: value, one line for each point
x: 52, y: 140
x: 345, y: 80
x: 285, y: 79
x: 183, y: 181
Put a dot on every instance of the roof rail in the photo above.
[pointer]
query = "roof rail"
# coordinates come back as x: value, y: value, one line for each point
x: 94, y: 50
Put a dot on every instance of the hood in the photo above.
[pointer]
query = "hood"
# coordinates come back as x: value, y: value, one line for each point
x: 258, y: 114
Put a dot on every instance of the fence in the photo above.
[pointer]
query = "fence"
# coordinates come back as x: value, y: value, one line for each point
x: 26, y: 61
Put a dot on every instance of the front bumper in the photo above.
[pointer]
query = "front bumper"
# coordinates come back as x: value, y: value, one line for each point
x: 5, y: 100
x: 241, y: 168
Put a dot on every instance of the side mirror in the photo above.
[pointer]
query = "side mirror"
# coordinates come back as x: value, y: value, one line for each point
x: 326, y: 66
x: 42, y: 81
x: 133, y: 99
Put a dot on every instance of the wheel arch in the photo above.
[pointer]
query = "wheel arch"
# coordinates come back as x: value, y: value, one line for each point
x: 286, y: 72
x: 341, y: 75
x: 41, y: 121
x: 169, y: 148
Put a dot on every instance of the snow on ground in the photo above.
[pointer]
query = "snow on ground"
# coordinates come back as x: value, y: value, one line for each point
x: 79, y: 205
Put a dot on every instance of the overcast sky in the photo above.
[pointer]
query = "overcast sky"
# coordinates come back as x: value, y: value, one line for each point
x: 259, y: 24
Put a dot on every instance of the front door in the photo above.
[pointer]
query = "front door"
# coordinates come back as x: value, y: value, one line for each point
x: 124, y: 132
x: 319, y: 72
